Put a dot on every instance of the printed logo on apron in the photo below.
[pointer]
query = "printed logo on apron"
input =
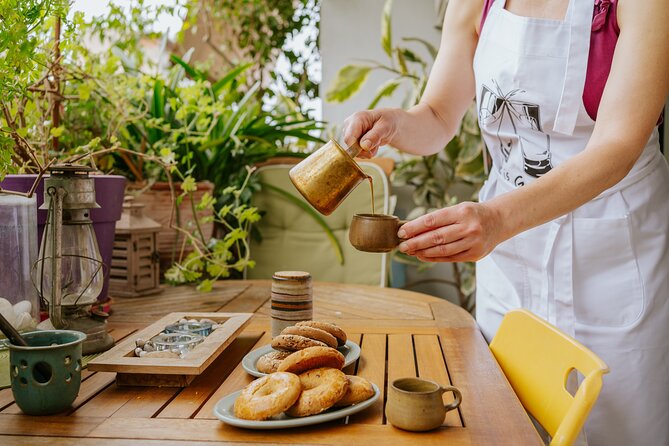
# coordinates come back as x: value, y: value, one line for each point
x: 517, y: 126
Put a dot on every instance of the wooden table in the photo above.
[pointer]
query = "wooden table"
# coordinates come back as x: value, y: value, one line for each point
x: 401, y: 334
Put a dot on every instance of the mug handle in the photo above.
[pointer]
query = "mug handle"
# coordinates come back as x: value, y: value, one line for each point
x: 456, y: 394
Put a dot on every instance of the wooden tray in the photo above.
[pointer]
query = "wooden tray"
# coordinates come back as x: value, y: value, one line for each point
x: 170, y: 372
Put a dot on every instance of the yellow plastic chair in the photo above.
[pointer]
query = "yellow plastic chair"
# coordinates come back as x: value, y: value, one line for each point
x: 537, y: 359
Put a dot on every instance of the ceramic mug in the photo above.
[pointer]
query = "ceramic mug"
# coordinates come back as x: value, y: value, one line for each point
x: 374, y: 232
x: 416, y: 404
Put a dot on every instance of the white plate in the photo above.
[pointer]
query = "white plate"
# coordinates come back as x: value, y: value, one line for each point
x: 224, y: 411
x: 350, y: 350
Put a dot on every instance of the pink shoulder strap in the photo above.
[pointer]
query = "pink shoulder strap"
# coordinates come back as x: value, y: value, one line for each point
x: 486, y: 7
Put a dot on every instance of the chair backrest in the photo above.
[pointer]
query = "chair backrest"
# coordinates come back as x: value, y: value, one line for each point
x: 537, y: 359
x: 293, y: 240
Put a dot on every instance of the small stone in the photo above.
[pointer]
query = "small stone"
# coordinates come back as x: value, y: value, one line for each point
x: 149, y: 346
x: 202, y: 321
x: 138, y: 351
x: 139, y: 342
x: 142, y: 354
x: 183, y: 320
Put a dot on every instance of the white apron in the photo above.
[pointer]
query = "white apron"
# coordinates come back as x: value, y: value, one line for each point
x: 601, y: 272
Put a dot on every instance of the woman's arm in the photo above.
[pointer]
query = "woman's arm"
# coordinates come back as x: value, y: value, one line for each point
x: 427, y: 128
x: 632, y: 100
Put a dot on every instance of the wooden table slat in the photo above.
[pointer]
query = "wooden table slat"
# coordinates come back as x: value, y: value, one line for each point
x: 17, y: 440
x: 11, y: 424
x: 401, y: 362
x: 331, y: 434
x: 372, y: 366
x: 434, y: 369
x: 120, y: 333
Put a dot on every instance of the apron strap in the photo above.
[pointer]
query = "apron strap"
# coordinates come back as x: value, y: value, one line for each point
x: 557, y: 291
x: 579, y: 16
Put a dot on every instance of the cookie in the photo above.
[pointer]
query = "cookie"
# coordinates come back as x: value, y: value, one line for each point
x: 325, y: 326
x: 312, y: 333
x: 293, y: 343
x: 269, y: 362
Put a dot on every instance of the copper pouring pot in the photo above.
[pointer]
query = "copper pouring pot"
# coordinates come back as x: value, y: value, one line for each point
x: 328, y: 175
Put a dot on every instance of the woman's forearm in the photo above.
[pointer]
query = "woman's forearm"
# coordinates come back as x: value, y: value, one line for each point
x: 564, y: 188
x: 420, y: 131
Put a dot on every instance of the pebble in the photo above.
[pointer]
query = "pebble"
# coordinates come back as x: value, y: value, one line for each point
x: 138, y: 351
x: 139, y: 342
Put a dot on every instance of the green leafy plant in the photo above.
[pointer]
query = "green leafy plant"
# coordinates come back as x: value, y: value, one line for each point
x: 446, y: 178
x: 262, y: 32
x: 217, y: 258
x: 87, y: 108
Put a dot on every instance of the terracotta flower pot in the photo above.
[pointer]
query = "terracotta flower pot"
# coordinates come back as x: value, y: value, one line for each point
x: 158, y: 205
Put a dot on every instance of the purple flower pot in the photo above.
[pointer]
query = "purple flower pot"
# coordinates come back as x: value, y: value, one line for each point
x: 109, y: 192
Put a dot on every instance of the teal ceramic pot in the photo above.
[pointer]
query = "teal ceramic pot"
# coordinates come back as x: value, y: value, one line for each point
x: 46, y: 374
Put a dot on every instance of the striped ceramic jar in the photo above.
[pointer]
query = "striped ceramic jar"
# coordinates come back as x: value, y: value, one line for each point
x: 291, y: 299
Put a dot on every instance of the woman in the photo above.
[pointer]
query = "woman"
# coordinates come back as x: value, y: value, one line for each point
x: 572, y: 222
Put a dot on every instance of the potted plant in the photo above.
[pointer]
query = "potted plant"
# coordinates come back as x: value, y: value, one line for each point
x: 211, y: 130
x: 42, y: 84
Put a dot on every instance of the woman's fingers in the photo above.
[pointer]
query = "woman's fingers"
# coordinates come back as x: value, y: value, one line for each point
x: 443, y: 251
x: 441, y: 236
x: 466, y: 231
x: 371, y: 128
x: 433, y: 220
x: 355, y: 126
x: 465, y: 256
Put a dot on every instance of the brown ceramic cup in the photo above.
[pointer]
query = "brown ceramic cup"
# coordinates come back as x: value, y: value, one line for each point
x: 416, y: 404
x: 374, y: 232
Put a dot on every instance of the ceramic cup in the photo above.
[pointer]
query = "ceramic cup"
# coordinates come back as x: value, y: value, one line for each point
x: 46, y: 374
x: 374, y: 232
x: 416, y: 404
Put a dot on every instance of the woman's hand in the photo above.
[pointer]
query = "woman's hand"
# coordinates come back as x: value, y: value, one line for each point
x: 464, y: 232
x: 372, y: 129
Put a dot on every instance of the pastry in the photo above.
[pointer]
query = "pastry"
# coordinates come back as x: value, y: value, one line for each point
x: 269, y: 362
x: 268, y: 396
x: 325, y: 326
x: 294, y: 343
x: 321, y: 389
x: 312, y: 358
x: 359, y: 389
x: 312, y: 333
